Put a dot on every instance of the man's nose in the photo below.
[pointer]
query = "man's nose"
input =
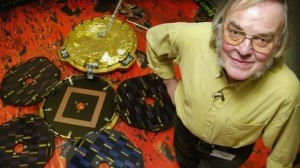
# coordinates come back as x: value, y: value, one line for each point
x: 245, y: 48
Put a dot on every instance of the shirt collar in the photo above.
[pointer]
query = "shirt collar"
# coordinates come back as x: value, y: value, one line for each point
x: 218, y: 73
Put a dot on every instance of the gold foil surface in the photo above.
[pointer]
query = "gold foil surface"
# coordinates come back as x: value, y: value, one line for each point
x: 85, y: 45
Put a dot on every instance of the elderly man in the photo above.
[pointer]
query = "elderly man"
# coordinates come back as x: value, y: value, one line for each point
x: 234, y: 86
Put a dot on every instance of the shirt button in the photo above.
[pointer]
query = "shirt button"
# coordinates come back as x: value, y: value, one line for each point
x: 205, y: 136
x: 208, y: 123
x: 213, y: 109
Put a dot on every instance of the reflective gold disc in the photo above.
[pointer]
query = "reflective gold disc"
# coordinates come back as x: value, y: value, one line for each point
x: 85, y: 46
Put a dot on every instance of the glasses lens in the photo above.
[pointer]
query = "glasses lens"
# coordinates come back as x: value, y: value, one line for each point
x: 235, y: 37
x: 262, y: 44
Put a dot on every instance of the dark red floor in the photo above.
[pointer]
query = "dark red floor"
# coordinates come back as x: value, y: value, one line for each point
x: 40, y: 28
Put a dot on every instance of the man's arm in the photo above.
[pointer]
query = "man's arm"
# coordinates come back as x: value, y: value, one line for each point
x: 171, y: 85
x: 161, y: 49
x: 285, y: 146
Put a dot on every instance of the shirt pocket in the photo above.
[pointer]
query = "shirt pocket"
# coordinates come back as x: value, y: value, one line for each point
x: 242, y: 134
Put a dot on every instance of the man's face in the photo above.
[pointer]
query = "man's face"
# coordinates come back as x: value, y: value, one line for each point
x: 242, y: 61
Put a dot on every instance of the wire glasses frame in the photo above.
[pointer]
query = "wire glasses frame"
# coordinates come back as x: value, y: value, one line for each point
x: 261, y: 44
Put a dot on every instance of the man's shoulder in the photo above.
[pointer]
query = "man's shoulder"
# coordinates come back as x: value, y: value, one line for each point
x: 283, y: 74
x: 196, y: 27
x: 183, y: 27
x: 283, y: 80
x: 186, y: 24
x: 198, y: 31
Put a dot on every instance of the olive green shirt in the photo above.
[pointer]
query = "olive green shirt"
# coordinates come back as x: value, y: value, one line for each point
x: 267, y: 107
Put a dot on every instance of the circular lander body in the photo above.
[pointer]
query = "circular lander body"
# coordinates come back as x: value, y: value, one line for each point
x: 87, y: 49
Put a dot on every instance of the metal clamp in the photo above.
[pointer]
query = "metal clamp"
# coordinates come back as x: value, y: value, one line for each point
x: 90, y: 69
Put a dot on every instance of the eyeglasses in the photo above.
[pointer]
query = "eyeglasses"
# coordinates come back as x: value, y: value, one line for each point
x: 262, y: 44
